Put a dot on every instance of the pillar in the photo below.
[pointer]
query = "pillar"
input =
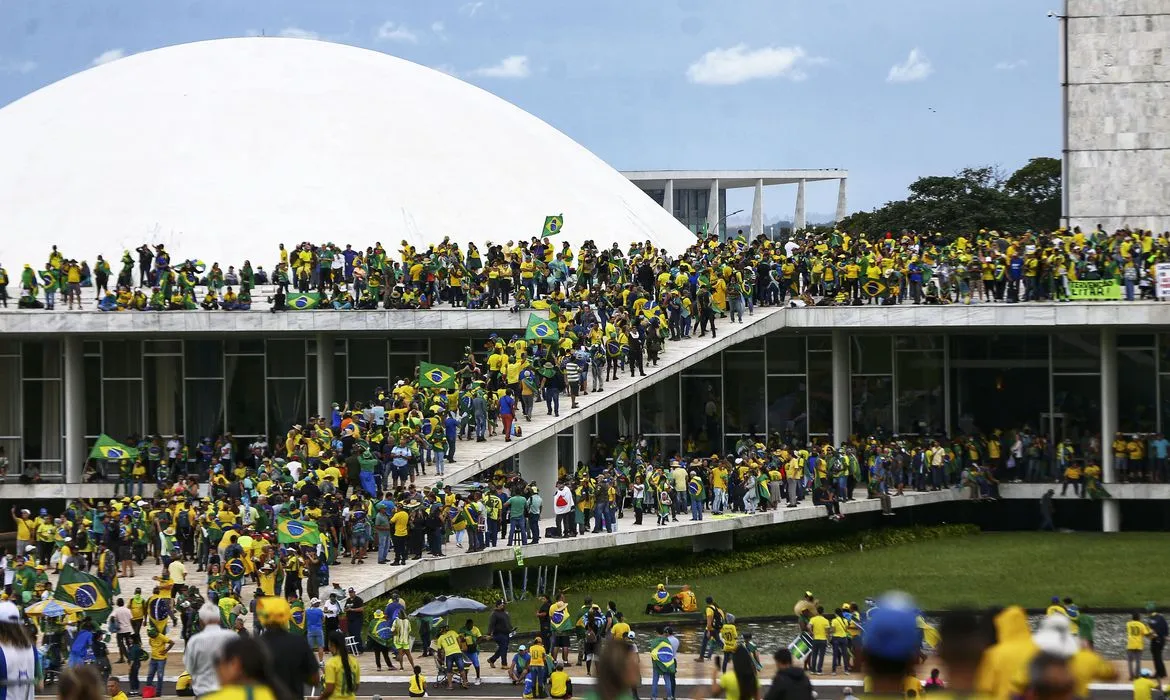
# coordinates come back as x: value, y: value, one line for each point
x: 841, y: 422
x: 467, y: 578
x: 668, y: 197
x: 1110, y: 508
x: 758, y: 210
x: 798, y: 220
x: 842, y: 202
x: 74, y: 458
x: 166, y: 386
x: 582, y: 447
x: 712, y: 542
x: 713, y: 208
x: 326, y: 393
x: 539, y: 463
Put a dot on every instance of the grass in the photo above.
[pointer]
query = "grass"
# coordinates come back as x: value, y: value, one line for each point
x: 1097, y: 570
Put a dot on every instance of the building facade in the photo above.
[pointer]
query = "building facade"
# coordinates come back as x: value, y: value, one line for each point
x: 1116, y: 83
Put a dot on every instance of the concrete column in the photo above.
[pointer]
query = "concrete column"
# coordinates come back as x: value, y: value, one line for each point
x: 668, y: 197
x: 1110, y: 508
x: 470, y: 577
x: 841, y: 398
x: 166, y: 384
x: 74, y: 458
x: 842, y: 200
x: 581, y: 443
x: 713, y: 208
x: 326, y: 392
x: 715, y: 541
x: 539, y: 463
x: 758, y: 210
x: 798, y: 220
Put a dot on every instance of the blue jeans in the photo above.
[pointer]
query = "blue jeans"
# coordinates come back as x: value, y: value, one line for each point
x: 517, y: 530
x: 817, y: 665
x: 552, y: 399
x: 480, y: 427
x: 696, y: 508
x: 534, y: 527
x: 383, y: 546
x: 720, y: 501
x: 843, y: 487
x: 668, y: 679
x: 156, y: 667
x: 493, y: 532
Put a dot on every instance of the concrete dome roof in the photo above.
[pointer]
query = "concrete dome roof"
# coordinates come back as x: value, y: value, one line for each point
x: 223, y: 149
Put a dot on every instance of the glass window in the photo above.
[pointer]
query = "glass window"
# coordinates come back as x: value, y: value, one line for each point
x: 615, y: 421
x: 10, y: 398
x: 121, y: 359
x: 286, y: 358
x: 10, y: 448
x: 91, y: 347
x: 750, y: 344
x: 93, y: 395
x: 245, y: 394
x: 743, y: 391
x: 663, y: 447
x: 702, y: 408
x: 1003, y: 348
x: 920, y: 342
x: 1077, y: 405
x: 872, y: 402
x: 122, y: 408
x: 787, y: 408
x: 163, y: 347
x: 448, y: 351
x: 419, y: 345
x: 871, y: 354
x: 203, y: 408
x: 921, y: 407
x: 658, y: 407
x: 405, y: 366
x: 786, y: 354
x: 1076, y: 352
x: 566, y: 454
x: 42, y: 359
x: 1135, y: 340
x: 312, y: 381
x: 163, y: 396
x: 286, y: 405
x: 367, y: 357
x: 43, y: 420
x: 203, y: 359
x: 820, y: 342
x: 820, y: 393
x: 9, y: 347
x: 710, y: 365
x: 244, y: 346
x: 1136, y: 391
x: 363, y: 390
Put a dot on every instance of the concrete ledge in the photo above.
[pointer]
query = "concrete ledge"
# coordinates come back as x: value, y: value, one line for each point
x: 171, y: 323
x: 10, y: 490
x: 957, y: 317
x: 1119, y: 492
x: 708, y: 526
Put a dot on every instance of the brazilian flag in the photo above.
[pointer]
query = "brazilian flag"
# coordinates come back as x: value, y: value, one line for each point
x: 158, y: 609
x: 383, y: 631
x: 695, y: 488
x: 303, y: 302
x: 235, y: 568
x: 553, y: 225
x: 650, y: 309
x: 48, y: 279
x: 86, y: 591
x: 110, y: 449
x: 559, y: 617
x: 873, y: 288
x: 541, y: 329
x: 297, y: 617
x: 437, y: 376
x: 289, y: 531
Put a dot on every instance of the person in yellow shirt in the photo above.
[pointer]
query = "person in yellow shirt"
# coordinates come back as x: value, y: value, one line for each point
x: 1136, y: 632
x: 729, y: 636
x: 159, y: 646
x: 560, y: 686
x: 619, y: 628
x: 1145, y: 685
x: 839, y: 640
x: 450, y: 643
x: 1087, y: 667
x: 819, y: 627
x: 343, y: 674
x: 114, y: 689
x: 400, y: 521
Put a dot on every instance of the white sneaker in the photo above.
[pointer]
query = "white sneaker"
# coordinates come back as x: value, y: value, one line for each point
x: 478, y: 682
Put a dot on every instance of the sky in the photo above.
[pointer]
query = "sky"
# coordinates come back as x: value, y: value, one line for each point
x: 889, y: 90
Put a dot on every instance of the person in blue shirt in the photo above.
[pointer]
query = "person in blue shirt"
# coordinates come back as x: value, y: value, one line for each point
x: 1159, y: 446
x: 1015, y: 273
x: 315, y: 628
x: 394, y: 608
x: 451, y: 425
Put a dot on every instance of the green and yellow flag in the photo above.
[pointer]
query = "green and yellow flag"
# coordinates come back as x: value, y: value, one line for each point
x: 542, y: 329
x: 303, y: 302
x: 437, y: 376
x: 108, y: 448
x: 289, y: 531
x: 86, y: 591
x: 552, y: 225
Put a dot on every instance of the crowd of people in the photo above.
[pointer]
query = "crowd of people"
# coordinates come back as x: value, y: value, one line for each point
x: 832, y: 267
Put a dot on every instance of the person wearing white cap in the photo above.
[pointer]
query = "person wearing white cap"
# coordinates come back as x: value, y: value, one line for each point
x: 203, y: 650
x: 17, y: 657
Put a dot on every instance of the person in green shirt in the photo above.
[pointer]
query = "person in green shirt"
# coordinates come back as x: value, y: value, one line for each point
x: 1086, y: 625
x: 516, y: 523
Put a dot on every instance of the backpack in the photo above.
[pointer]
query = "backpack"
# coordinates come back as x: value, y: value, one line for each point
x: 717, y: 617
x: 184, y: 519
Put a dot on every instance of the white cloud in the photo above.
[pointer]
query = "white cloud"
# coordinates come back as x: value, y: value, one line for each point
x: 470, y: 8
x: 439, y: 29
x: 298, y: 33
x: 389, y: 31
x: 1011, y: 65
x: 740, y: 64
x: 510, y: 67
x: 21, y: 67
x: 107, y: 56
x: 915, y: 67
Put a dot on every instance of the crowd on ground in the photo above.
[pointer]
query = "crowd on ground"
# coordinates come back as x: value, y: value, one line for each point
x: 831, y: 267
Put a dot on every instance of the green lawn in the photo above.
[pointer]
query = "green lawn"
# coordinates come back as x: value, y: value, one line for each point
x: 1096, y: 570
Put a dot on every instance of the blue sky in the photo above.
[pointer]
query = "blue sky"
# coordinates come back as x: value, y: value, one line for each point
x: 890, y: 90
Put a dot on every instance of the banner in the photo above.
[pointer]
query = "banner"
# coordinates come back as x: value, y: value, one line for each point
x: 438, y: 376
x: 552, y: 225
x: 303, y: 302
x: 86, y: 591
x: 289, y: 531
x: 1162, y: 277
x: 1087, y: 290
x: 540, y: 329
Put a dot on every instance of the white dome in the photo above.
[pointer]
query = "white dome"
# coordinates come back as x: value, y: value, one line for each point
x: 223, y: 149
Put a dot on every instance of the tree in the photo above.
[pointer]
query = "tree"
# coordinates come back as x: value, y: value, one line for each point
x: 971, y: 199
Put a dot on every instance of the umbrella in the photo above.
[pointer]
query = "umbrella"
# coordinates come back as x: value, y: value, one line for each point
x: 53, y: 608
x: 445, y: 605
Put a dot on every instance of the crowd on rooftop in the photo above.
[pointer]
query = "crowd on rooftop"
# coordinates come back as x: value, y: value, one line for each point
x: 830, y: 267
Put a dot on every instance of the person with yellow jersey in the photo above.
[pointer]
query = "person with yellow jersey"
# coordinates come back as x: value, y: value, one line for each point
x: 729, y: 636
x: 818, y: 628
x: 839, y: 640
x: 560, y: 686
x: 450, y: 643
x: 342, y: 671
x: 1136, y: 632
x: 619, y: 628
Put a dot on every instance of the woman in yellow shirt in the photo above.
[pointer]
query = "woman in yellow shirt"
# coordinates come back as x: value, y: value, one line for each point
x: 244, y: 672
x: 342, y: 672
